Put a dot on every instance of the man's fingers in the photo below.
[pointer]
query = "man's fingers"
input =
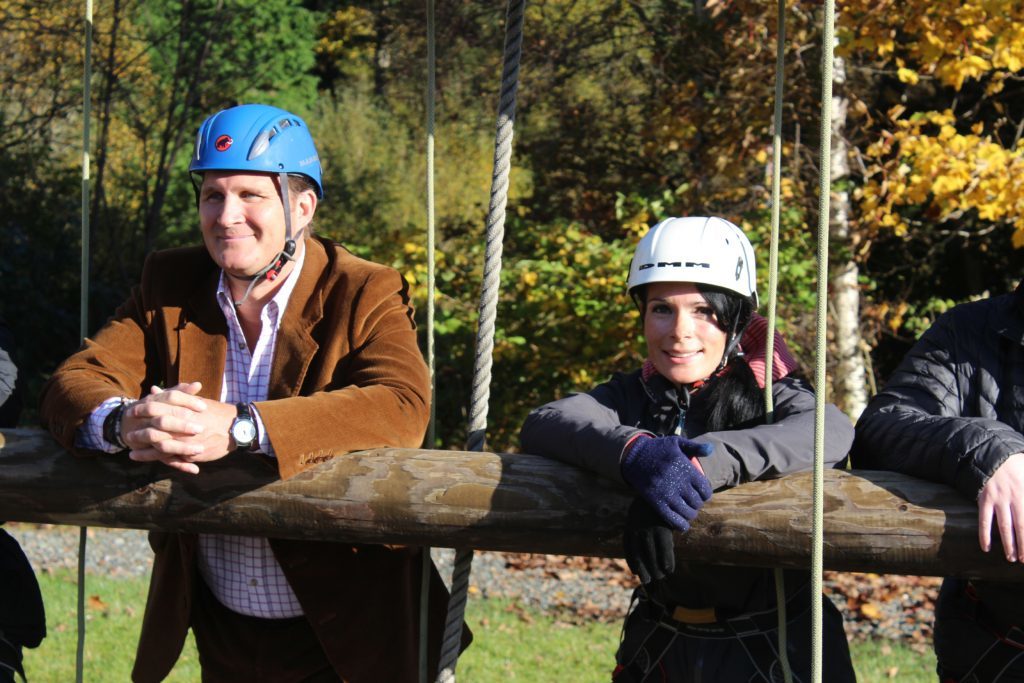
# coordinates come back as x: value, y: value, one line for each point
x: 191, y: 388
x: 1017, y: 508
x: 183, y: 395
x: 162, y: 442
x: 985, y: 524
x: 175, y: 424
x: 151, y: 455
x: 1004, y: 521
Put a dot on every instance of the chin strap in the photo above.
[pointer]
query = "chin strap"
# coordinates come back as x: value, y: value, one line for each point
x: 274, y: 268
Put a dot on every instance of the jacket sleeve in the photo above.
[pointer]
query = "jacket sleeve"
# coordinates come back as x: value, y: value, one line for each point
x: 375, y: 394
x: 10, y: 394
x: 110, y: 364
x: 920, y: 425
x: 582, y: 429
x: 785, y: 446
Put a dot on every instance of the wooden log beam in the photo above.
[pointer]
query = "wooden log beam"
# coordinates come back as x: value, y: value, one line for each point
x: 874, y: 521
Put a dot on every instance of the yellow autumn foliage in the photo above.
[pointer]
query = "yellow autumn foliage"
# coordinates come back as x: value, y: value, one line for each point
x: 949, y: 40
x: 926, y: 161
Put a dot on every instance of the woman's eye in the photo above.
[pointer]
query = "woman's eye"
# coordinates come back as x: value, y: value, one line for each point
x: 706, y: 312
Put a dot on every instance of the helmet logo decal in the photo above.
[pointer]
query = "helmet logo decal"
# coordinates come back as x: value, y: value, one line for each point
x: 222, y: 143
x: 674, y: 264
x: 739, y: 267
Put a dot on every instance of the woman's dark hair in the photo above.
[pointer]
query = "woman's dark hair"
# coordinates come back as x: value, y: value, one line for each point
x: 734, y: 400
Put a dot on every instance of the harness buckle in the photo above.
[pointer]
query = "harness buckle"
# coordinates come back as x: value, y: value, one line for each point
x: 688, y: 615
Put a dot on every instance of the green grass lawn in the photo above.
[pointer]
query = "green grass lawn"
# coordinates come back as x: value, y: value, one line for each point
x: 511, y: 643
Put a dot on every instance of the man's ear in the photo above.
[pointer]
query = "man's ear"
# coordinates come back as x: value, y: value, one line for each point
x: 305, y: 206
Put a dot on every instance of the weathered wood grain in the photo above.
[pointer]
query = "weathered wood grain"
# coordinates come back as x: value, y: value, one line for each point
x: 874, y: 521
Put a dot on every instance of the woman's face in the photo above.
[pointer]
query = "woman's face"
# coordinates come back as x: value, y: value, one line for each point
x: 684, y: 340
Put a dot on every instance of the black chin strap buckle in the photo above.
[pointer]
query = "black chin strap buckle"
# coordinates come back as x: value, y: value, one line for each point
x: 272, y: 271
x: 287, y: 254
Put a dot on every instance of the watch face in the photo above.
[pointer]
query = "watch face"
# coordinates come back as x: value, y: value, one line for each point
x: 243, y: 432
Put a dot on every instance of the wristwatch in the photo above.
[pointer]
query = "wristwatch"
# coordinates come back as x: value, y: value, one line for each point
x: 112, y: 424
x: 243, y: 429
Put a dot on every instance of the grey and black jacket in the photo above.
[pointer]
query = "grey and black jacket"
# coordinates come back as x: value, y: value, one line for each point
x: 590, y: 430
x: 953, y: 410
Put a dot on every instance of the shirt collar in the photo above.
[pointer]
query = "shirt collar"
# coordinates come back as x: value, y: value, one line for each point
x: 281, y: 296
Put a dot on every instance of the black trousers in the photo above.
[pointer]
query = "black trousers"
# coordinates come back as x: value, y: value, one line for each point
x: 234, y: 647
x: 972, y: 643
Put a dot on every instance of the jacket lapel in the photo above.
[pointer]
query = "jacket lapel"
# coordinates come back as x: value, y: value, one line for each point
x: 295, y: 346
x: 202, y: 339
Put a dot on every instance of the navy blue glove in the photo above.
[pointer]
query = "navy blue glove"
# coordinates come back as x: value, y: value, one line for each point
x: 659, y: 469
x: 648, y: 543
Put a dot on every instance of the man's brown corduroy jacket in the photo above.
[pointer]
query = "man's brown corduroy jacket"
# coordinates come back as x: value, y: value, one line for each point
x: 347, y: 375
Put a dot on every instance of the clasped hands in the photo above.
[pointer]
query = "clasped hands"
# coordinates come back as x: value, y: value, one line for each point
x: 671, y: 490
x: 178, y: 428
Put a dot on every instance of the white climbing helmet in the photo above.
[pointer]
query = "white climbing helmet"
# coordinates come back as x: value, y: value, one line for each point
x: 710, y: 251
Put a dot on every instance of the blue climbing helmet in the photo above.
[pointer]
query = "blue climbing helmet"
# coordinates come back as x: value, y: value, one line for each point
x: 257, y: 138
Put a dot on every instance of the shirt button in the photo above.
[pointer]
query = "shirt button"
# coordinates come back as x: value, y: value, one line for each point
x: 254, y: 582
x: 241, y: 346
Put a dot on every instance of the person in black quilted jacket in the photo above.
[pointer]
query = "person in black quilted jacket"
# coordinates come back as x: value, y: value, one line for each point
x: 22, y: 620
x: 953, y: 412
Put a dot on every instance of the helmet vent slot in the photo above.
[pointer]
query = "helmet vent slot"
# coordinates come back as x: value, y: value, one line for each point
x: 261, y: 143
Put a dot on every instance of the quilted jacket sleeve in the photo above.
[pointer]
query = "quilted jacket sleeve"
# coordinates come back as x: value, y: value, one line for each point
x: 930, y: 421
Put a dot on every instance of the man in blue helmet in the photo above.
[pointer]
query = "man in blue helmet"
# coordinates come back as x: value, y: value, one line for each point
x: 268, y: 343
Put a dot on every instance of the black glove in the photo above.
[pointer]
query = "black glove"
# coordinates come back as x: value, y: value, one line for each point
x: 659, y: 469
x: 648, y: 543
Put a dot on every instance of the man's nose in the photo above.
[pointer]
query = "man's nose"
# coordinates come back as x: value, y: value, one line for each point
x: 230, y: 210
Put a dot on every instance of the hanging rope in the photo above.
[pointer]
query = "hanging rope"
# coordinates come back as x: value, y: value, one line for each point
x: 428, y: 563
x: 773, y: 285
x: 488, y: 313
x: 83, y: 305
x: 824, y: 197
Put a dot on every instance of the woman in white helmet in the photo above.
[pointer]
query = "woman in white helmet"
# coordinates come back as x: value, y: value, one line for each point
x: 691, y: 421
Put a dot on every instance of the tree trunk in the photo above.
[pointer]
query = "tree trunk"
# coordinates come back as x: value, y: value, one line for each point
x: 849, y: 386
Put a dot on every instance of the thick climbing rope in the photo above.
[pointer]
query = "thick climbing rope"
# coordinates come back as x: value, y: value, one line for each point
x: 824, y: 197
x: 83, y: 307
x: 488, y: 313
x: 773, y: 285
x: 428, y: 564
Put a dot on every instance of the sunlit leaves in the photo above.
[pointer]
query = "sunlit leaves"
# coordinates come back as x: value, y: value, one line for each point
x: 950, y: 40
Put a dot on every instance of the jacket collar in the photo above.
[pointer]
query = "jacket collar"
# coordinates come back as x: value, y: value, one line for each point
x: 1009, y: 315
x: 202, y: 334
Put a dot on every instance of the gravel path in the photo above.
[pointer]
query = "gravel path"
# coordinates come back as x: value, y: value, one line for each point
x: 573, y: 588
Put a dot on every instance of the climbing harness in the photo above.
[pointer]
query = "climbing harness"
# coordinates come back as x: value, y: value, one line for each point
x: 668, y: 622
